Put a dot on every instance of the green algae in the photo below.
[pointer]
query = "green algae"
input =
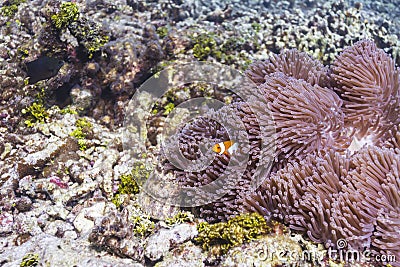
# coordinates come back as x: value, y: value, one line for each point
x: 204, y: 45
x: 179, y: 218
x: 36, y: 112
x: 142, y: 226
x: 88, y: 33
x: 220, y: 237
x: 128, y: 185
x: 30, y: 259
x: 83, y: 127
x: 10, y: 8
x: 162, y: 31
x: 68, y: 13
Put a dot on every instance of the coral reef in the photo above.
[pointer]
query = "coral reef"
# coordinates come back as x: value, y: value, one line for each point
x: 65, y: 176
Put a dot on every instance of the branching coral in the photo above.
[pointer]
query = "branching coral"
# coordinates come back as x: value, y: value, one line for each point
x: 368, y: 82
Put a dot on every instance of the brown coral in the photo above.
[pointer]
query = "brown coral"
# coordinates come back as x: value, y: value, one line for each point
x: 368, y: 82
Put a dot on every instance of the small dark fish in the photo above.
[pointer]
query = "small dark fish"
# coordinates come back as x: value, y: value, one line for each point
x: 43, y: 68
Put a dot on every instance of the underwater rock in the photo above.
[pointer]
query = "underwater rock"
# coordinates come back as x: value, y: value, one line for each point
x: 115, y: 233
x: 53, y: 251
x: 59, y: 228
x: 185, y: 255
x: 161, y: 242
x: 23, y: 204
x: 82, y: 98
x: 267, y: 251
x: 6, y: 223
x: 84, y: 221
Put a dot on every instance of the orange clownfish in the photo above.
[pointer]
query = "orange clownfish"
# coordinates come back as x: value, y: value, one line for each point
x: 227, y: 148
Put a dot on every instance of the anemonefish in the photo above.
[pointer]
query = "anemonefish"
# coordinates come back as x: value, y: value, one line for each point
x: 227, y: 148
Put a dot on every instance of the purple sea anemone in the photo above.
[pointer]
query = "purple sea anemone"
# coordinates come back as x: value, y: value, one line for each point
x: 306, y: 117
x: 319, y: 185
x: 293, y: 63
x: 330, y: 196
x: 208, y: 130
x: 367, y: 80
